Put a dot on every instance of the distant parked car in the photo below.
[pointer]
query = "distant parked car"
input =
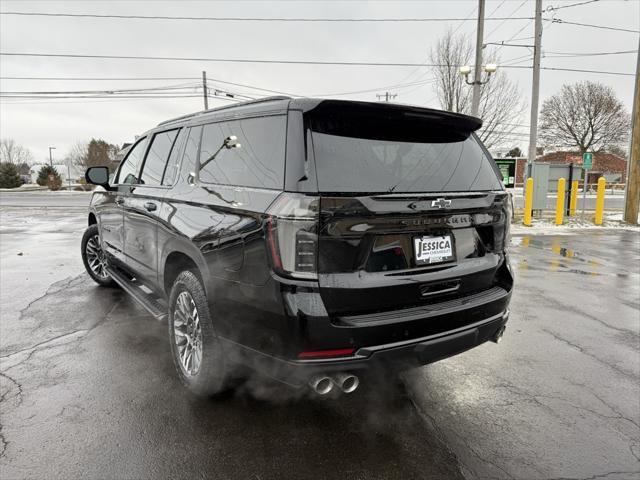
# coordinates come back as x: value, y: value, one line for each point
x: 307, y: 239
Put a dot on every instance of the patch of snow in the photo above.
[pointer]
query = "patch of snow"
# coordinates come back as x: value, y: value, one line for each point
x: 571, y: 225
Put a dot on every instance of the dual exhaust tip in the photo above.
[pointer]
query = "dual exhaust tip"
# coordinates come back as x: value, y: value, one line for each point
x: 324, y: 384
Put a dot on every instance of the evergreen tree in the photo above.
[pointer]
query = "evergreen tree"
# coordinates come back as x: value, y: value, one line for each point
x: 49, y: 176
x: 9, y: 177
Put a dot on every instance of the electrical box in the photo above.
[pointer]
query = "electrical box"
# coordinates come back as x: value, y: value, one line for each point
x: 540, y: 174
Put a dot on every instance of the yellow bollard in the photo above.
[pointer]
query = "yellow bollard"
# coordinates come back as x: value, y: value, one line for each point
x: 560, y: 201
x: 600, y: 200
x: 528, y: 201
x: 573, y: 202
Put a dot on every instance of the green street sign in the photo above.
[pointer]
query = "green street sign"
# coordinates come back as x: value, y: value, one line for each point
x: 587, y: 160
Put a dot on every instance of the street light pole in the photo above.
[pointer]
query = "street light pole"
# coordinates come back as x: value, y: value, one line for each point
x: 205, y: 90
x: 50, y: 157
x: 475, y: 101
x: 387, y: 96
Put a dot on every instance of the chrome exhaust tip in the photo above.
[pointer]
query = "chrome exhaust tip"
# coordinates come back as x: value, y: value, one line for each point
x: 498, y: 335
x: 347, y: 382
x: 321, y: 384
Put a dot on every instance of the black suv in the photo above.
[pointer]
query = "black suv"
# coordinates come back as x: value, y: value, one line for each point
x: 307, y: 239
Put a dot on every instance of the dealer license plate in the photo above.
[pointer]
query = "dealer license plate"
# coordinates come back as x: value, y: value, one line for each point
x: 430, y: 250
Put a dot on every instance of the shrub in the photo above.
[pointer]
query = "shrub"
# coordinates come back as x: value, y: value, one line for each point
x: 49, y: 177
x: 9, y: 176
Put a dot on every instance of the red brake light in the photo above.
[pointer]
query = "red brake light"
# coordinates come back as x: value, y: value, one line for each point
x: 340, y: 352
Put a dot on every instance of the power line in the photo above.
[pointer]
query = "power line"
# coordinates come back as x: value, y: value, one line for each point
x: 603, y: 27
x: 604, y: 72
x: 109, y: 91
x: 417, y: 69
x: 369, y: 90
x: 586, y: 54
x: 515, y: 34
x: 509, y: 17
x: 99, y: 78
x: 3, y: 95
x: 197, y: 85
x: 284, y: 62
x: 245, y: 19
x: 551, y: 8
x: 231, y: 60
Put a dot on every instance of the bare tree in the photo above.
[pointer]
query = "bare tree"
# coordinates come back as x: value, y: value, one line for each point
x: 449, y: 53
x: 12, y: 152
x: 586, y: 115
x: 96, y: 152
x: 77, y: 155
x: 500, y: 101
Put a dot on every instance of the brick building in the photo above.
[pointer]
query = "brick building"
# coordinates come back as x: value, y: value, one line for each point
x: 608, y: 165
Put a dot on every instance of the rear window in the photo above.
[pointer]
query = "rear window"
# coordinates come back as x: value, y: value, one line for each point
x: 381, y: 155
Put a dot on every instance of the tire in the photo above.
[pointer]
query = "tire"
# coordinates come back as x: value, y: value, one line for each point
x: 192, y: 336
x: 93, y: 257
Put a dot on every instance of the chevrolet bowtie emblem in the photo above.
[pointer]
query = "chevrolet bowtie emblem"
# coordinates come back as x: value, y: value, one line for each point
x: 441, y: 203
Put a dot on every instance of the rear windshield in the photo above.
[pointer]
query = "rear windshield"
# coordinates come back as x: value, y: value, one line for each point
x: 378, y: 158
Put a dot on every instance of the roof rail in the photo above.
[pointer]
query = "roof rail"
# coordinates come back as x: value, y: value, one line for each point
x: 224, y: 107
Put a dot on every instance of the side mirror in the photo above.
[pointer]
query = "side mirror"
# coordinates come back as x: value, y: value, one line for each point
x: 98, y: 176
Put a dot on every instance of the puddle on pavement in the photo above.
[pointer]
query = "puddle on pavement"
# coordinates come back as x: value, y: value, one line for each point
x: 563, y: 260
x: 555, y: 264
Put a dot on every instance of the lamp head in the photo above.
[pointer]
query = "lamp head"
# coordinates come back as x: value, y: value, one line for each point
x: 490, y: 68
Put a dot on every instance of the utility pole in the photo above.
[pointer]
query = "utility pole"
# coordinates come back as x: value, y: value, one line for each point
x: 205, y: 92
x: 387, y: 96
x: 475, y: 102
x: 535, y: 89
x: 50, y: 157
x: 632, y: 192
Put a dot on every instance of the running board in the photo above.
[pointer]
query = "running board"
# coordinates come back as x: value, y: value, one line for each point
x: 141, y: 294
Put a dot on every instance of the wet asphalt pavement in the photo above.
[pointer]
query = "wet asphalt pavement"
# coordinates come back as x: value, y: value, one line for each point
x: 88, y: 390
x: 559, y: 397
x: 87, y: 387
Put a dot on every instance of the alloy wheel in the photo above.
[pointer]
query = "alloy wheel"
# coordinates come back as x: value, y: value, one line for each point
x: 95, y: 257
x: 187, y: 334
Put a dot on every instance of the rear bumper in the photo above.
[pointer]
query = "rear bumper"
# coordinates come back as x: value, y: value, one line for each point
x: 399, y: 355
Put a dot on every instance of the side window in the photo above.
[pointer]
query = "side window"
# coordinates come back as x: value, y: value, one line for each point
x: 171, y: 170
x: 260, y: 160
x: 157, y: 157
x: 129, y: 169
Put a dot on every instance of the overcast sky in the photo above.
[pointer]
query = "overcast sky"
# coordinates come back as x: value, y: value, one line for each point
x: 38, y: 124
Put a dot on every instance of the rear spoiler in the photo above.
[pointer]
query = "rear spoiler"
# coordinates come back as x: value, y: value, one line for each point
x: 444, y: 119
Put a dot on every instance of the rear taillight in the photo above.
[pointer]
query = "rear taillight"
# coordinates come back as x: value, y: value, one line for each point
x: 292, y: 235
x: 501, y: 230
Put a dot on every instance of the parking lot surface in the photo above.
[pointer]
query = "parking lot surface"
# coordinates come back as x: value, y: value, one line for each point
x: 87, y: 387
x: 559, y: 397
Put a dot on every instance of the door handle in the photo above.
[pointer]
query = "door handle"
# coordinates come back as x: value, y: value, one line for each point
x: 119, y: 201
x: 150, y: 206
